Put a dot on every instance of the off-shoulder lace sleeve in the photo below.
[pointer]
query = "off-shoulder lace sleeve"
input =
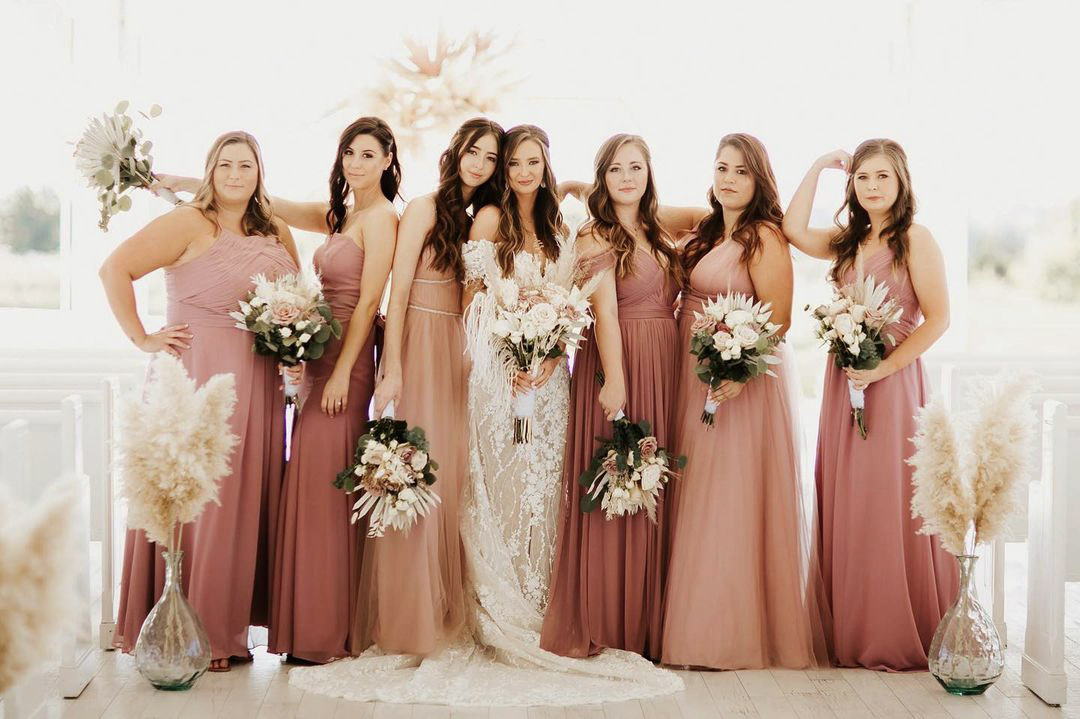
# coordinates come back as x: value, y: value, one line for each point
x: 476, y: 254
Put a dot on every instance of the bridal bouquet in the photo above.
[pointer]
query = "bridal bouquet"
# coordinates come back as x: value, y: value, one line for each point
x: 392, y: 467
x: 852, y: 325
x: 532, y: 324
x: 627, y: 472
x: 114, y: 158
x: 733, y: 340
x: 290, y: 318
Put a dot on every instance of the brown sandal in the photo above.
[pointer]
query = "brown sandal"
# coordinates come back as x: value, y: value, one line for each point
x: 220, y: 665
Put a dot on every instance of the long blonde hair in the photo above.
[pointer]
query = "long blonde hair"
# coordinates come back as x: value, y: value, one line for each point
x: 258, y: 217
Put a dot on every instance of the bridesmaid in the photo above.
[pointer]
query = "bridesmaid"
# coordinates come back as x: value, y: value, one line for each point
x: 210, y: 248
x: 317, y: 551
x: 888, y: 586
x: 609, y: 575
x: 737, y: 595
x: 410, y: 598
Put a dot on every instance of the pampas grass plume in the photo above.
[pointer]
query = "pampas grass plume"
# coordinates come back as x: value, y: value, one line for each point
x: 174, y: 447
x: 1001, y: 435
x: 37, y: 578
x: 942, y: 495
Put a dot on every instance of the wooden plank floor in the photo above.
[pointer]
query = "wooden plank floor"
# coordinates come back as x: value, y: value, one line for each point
x: 261, y: 689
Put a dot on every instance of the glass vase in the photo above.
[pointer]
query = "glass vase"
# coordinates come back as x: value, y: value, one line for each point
x: 965, y: 654
x: 172, y: 650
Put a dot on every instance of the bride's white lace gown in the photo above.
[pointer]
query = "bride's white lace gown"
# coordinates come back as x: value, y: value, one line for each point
x: 508, y: 522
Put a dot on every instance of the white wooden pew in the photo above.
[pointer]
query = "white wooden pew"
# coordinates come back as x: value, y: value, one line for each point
x: 1051, y: 559
x: 1058, y: 378
x: 20, y: 473
x: 33, y: 397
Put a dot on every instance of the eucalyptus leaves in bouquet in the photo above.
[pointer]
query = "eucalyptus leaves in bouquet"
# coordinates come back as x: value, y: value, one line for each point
x: 114, y: 158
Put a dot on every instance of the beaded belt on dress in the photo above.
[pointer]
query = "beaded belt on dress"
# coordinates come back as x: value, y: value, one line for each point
x: 433, y: 311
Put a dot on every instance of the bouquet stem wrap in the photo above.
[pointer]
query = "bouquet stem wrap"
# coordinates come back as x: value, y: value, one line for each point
x: 524, y: 408
x: 858, y: 403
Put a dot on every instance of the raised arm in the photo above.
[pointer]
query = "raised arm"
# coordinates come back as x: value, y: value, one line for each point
x: 813, y: 241
x: 159, y: 244
x: 379, y: 232
x: 926, y: 266
x: 773, y: 277
x: 309, y: 216
x: 677, y: 220
x: 415, y: 224
x: 484, y: 227
x: 578, y: 189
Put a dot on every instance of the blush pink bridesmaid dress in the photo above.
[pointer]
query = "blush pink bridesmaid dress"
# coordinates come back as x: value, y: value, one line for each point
x: 410, y: 598
x: 606, y: 589
x: 317, y: 550
x: 227, y: 549
x: 888, y: 586
x: 744, y: 587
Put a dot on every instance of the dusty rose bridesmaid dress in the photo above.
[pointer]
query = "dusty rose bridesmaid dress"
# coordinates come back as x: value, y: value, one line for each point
x: 317, y: 550
x: 737, y: 594
x: 227, y: 549
x: 606, y: 589
x: 410, y: 599
x: 888, y: 586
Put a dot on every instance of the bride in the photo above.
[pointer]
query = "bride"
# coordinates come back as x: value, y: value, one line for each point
x: 510, y: 503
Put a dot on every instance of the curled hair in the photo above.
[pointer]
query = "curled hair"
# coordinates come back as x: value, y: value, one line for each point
x: 853, y: 232
x: 339, y: 187
x: 762, y: 212
x: 258, y: 216
x: 547, y: 220
x: 606, y: 223
x: 453, y: 216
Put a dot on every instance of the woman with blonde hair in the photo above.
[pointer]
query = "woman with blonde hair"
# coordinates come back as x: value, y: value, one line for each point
x: 888, y: 586
x: 209, y: 249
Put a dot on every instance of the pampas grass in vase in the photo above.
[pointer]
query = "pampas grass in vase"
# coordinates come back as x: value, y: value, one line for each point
x: 175, y: 442
x: 968, y: 476
x: 37, y: 578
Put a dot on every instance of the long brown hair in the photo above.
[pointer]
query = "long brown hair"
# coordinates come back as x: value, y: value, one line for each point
x: 547, y: 220
x: 606, y: 223
x: 258, y: 216
x: 339, y: 187
x: 853, y: 232
x: 453, y: 216
x: 762, y: 212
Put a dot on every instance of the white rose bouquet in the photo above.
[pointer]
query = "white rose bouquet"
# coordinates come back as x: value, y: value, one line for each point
x: 853, y: 326
x: 532, y: 324
x: 395, y: 473
x: 733, y: 340
x: 114, y: 158
x: 627, y: 472
x: 289, y: 317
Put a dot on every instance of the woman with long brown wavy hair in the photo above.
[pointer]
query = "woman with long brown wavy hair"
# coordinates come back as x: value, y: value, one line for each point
x: 410, y: 598
x: 606, y: 590
x: 737, y: 595
x: 316, y: 556
x: 888, y: 586
x: 210, y: 248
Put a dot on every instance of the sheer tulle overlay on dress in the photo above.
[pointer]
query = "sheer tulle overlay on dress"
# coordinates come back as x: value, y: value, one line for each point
x: 227, y: 550
x: 410, y: 598
x: 609, y: 574
x: 508, y: 517
x: 744, y: 587
x: 888, y: 586
x: 317, y: 550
